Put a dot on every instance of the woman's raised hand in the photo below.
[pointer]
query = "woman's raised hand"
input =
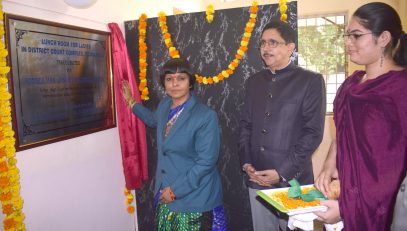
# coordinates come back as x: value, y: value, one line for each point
x: 126, y: 92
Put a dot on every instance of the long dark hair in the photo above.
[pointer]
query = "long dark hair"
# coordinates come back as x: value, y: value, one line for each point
x: 178, y: 65
x: 379, y: 17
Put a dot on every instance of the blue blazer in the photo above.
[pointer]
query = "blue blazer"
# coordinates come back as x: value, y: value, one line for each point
x: 187, y: 157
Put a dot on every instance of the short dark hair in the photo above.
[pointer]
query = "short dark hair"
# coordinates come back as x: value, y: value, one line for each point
x: 379, y: 17
x: 178, y: 65
x: 285, y: 30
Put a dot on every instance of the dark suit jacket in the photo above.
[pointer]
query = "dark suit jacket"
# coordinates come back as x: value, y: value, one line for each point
x: 282, y: 122
x: 187, y: 157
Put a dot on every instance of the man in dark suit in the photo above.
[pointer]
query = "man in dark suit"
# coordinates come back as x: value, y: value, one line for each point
x: 281, y: 124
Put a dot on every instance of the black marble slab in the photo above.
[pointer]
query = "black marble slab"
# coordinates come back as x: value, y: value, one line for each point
x: 209, y: 48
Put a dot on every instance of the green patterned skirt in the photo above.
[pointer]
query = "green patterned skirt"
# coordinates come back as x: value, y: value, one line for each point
x: 168, y: 220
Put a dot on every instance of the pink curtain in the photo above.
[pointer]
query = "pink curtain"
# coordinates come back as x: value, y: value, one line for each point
x: 131, y: 129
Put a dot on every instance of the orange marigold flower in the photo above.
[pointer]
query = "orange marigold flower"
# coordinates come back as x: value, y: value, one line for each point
x: 3, y: 166
x: 130, y: 209
x: 252, y: 20
x: 167, y: 35
x: 253, y: 9
x: 4, y: 181
x: 145, y: 91
x: 234, y: 64
x: 143, y: 17
x: 142, y: 85
x: 5, y: 196
x: 210, y: 80
x: 174, y: 54
x: 142, y: 50
x: 2, y: 152
x: 143, y: 65
x: 9, y: 223
x: 8, y: 209
x: 248, y: 29
x: 142, y: 31
x: 229, y: 71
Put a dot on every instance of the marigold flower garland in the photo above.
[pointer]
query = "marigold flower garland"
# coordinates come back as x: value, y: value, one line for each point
x: 209, y: 13
x: 142, y: 29
x: 283, y: 10
x: 11, y: 201
x: 174, y: 53
x: 129, y: 201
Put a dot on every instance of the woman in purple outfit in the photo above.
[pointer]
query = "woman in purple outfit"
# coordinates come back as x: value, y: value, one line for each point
x: 370, y: 114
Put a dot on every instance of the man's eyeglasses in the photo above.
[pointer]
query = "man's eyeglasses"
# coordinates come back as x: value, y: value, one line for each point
x: 271, y: 43
x: 355, y: 36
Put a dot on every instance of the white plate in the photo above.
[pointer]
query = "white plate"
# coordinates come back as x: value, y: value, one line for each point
x: 265, y: 195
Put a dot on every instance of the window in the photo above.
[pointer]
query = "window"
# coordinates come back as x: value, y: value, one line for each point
x: 321, y: 48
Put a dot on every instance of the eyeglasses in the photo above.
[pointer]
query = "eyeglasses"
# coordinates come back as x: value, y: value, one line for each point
x: 355, y: 36
x: 271, y: 43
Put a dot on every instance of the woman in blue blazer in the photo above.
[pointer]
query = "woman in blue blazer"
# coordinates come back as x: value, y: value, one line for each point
x: 188, y: 184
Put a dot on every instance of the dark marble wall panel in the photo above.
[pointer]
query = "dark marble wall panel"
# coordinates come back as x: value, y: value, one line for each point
x: 209, y: 48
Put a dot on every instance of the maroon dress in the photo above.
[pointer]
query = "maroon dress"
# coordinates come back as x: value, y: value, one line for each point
x: 371, y: 123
